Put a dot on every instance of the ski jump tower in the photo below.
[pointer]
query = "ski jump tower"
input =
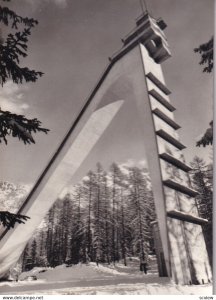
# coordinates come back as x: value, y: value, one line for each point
x: 133, y: 74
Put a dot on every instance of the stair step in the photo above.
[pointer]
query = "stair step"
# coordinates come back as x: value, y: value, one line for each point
x: 179, y: 215
x: 167, y: 137
x: 176, y: 162
x: 162, y: 100
x: 158, y: 83
x: 165, y: 118
x: 180, y: 188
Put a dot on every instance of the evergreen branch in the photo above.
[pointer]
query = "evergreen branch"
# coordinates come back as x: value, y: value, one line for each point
x: 9, y: 220
x: 207, y: 138
x: 18, y: 126
x: 8, y: 16
x: 11, y: 50
x: 207, y: 55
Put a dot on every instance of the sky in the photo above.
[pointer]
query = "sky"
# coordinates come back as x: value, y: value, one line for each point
x: 71, y: 45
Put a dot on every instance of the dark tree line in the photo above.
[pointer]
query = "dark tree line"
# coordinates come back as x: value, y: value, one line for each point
x: 106, y: 219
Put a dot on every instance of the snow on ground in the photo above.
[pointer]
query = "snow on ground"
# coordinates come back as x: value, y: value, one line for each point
x: 104, y: 279
x: 130, y: 289
x: 107, y: 270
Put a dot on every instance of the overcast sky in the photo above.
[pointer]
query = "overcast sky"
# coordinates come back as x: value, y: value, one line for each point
x: 71, y: 45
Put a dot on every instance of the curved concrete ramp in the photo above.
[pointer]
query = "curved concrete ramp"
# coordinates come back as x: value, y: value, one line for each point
x: 14, y: 242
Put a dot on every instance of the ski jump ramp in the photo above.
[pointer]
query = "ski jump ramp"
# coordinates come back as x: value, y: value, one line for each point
x: 134, y: 74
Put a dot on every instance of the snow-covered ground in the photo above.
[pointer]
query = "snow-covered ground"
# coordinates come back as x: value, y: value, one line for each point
x: 99, y: 280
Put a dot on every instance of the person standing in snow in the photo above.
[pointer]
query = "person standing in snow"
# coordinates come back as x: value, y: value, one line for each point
x: 144, y: 264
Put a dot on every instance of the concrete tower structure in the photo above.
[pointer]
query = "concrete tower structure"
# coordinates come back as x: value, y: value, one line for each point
x: 134, y: 74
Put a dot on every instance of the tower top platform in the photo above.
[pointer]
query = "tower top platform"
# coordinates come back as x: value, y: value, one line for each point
x: 149, y: 32
x: 142, y: 18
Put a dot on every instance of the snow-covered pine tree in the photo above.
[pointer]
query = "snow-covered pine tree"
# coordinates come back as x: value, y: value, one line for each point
x: 56, y: 251
x: 141, y: 211
x: 89, y: 184
x: 26, y: 259
x: 202, y: 182
x: 115, y: 176
x: 106, y: 217
x: 98, y: 212
x: 123, y: 222
x: 50, y: 233
x: 78, y: 230
x: 29, y: 258
x: 33, y: 253
x: 69, y: 227
x: 41, y: 241
x: 119, y: 197
x: 64, y: 219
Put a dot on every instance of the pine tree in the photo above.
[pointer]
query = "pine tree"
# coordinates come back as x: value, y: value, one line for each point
x: 56, y: 251
x: 26, y: 258
x: 141, y: 212
x: 63, y: 220
x: 107, y: 220
x: 98, y: 208
x: 207, y: 137
x: 115, y: 190
x: 202, y: 182
x: 77, y: 230
x: 206, y: 51
x: 123, y: 227
x: 89, y: 190
x: 120, y: 181
x: 13, y: 49
x: 50, y: 233
x: 30, y: 255
x: 33, y: 253
x: 41, y: 257
x: 80, y: 226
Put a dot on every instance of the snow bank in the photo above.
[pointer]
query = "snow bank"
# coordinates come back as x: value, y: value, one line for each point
x: 64, y: 273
